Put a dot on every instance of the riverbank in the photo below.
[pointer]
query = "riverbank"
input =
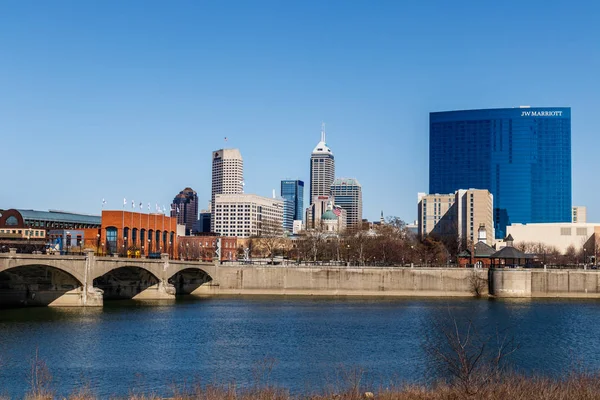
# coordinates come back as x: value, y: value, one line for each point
x: 515, y: 387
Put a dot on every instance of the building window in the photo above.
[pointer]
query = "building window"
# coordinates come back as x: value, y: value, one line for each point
x: 565, y: 231
x: 11, y: 221
x: 111, y: 239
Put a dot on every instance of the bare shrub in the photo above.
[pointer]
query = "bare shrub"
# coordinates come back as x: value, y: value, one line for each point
x: 477, y: 284
x: 469, y: 357
x: 40, y: 380
x: 83, y: 393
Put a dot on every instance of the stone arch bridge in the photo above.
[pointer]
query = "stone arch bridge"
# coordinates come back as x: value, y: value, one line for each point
x: 36, y: 279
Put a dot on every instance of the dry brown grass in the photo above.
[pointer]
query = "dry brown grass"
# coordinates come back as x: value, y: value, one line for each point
x: 511, y: 386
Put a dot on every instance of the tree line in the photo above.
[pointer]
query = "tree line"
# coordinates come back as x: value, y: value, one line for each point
x: 393, y: 243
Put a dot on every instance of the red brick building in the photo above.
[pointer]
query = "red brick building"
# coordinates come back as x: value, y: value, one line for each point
x: 481, y: 256
x: 135, y: 234
x: 203, y: 248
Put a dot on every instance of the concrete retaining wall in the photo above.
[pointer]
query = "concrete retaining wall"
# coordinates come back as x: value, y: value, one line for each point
x: 549, y: 283
x: 345, y: 281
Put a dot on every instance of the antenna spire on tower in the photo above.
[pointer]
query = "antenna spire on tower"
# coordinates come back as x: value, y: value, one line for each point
x: 323, y: 132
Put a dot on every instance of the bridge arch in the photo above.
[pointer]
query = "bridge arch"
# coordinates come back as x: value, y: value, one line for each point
x: 73, y: 266
x: 188, y: 280
x: 125, y: 281
x: 36, y: 284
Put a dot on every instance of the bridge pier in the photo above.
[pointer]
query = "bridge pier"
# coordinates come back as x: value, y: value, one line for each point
x: 74, y: 298
x: 163, y: 290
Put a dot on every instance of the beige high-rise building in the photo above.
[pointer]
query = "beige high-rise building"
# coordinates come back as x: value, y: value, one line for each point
x: 435, y: 214
x: 579, y: 214
x: 245, y: 215
x: 348, y: 195
x: 460, y: 213
x: 227, y: 175
x: 474, y: 209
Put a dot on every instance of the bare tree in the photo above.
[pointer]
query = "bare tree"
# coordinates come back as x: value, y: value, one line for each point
x: 270, y: 238
x: 468, y: 355
x: 357, y: 244
x: 311, y: 244
x: 477, y: 284
x: 570, y: 256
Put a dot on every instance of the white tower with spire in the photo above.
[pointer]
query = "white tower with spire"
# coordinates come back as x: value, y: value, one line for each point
x: 322, y: 168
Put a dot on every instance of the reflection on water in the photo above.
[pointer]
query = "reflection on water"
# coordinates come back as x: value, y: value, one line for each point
x: 147, y: 346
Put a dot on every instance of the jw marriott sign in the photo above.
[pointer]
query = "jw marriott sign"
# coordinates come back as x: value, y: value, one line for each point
x: 541, y: 113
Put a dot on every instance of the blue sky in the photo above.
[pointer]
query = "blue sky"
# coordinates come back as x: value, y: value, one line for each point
x: 111, y: 99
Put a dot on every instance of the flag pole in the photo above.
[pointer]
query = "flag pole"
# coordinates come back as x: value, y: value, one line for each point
x: 141, y: 210
x: 123, y: 224
x: 148, y: 230
x: 133, y: 209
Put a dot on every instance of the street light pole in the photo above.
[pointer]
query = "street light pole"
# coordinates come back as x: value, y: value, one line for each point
x: 348, y: 247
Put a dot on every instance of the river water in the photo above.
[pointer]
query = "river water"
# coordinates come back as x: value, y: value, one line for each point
x: 310, y: 342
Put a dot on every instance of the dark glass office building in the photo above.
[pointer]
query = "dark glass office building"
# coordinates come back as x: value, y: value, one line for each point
x: 521, y: 155
x: 294, y: 191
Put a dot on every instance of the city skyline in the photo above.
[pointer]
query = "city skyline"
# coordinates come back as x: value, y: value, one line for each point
x: 117, y: 87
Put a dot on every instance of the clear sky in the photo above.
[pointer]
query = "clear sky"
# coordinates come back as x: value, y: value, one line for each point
x: 114, y: 99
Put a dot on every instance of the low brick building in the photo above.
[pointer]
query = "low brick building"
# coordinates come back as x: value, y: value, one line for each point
x: 204, y: 248
x: 135, y: 234
x: 481, y: 256
x: 29, y: 230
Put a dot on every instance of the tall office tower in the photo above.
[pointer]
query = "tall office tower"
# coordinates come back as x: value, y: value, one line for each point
x: 245, y: 215
x: 227, y: 176
x: 294, y: 191
x: 288, y: 215
x: 322, y: 169
x: 185, y: 209
x: 348, y: 195
x: 521, y: 155
x: 203, y: 223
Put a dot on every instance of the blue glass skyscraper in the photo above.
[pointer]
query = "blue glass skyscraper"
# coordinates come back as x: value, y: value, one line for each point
x: 521, y: 155
x: 294, y: 190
